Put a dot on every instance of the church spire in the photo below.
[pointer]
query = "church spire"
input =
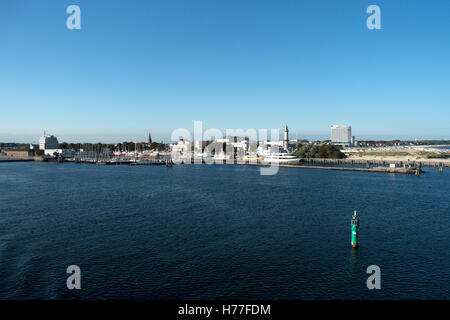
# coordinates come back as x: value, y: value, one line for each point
x: 149, y: 141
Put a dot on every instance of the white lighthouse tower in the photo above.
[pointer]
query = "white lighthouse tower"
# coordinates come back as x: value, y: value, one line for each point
x: 286, y: 138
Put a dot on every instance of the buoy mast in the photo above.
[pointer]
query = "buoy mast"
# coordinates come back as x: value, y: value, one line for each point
x: 355, y: 230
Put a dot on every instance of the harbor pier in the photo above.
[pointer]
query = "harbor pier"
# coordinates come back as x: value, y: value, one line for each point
x: 373, y: 169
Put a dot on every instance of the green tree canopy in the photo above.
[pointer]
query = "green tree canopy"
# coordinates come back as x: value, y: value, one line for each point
x: 324, y: 151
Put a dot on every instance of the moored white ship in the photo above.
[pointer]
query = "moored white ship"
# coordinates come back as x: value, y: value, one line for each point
x: 281, y: 157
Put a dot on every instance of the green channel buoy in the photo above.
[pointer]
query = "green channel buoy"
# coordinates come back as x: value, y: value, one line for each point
x: 355, y: 230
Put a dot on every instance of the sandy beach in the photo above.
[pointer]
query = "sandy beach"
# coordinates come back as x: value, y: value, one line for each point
x: 411, y: 157
x: 418, y: 153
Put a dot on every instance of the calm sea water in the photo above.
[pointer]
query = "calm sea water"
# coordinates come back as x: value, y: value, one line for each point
x: 442, y: 147
x: 220, y: 231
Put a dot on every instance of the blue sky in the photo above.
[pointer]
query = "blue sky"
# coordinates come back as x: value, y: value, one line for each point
x: 140, y: 66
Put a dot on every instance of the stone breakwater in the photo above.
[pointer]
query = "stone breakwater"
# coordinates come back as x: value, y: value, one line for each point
x: 375, y: 169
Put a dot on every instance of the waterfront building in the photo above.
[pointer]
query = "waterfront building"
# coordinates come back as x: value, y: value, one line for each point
x: 268, y: 143
x: 180, y: 149
x: 224, y: 140
x: 236, y: 142
x: 18, y: 153
x: 65, y: 153
x: 48, y: 142
x: 295, y: 142
x: 202, y: 155
x: 341, y: 135
x: 222, y: 156
x: 243, y: 144
x: 266, y: 147
x: 199, y: 146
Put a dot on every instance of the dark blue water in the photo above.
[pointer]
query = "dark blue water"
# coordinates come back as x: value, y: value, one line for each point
x: 220, y: 231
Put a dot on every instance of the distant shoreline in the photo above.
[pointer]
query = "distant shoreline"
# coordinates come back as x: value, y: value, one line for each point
x: 402, y: 164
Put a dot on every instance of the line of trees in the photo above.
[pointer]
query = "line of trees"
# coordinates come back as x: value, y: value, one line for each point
x: 324, y: 151
x: 433, y: 142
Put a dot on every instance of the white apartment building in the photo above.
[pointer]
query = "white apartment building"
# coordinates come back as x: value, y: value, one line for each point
x: 341, y: 135
x: 48, y: 142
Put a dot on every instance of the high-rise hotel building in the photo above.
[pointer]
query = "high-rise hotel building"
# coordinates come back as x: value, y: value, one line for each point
x: 48, y: 142
x: 341, y: 135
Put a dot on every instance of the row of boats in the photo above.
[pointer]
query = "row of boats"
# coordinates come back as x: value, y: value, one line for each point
x: 276, y: 157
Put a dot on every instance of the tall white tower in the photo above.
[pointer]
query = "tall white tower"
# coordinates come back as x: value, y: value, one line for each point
x: 286, y: 138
